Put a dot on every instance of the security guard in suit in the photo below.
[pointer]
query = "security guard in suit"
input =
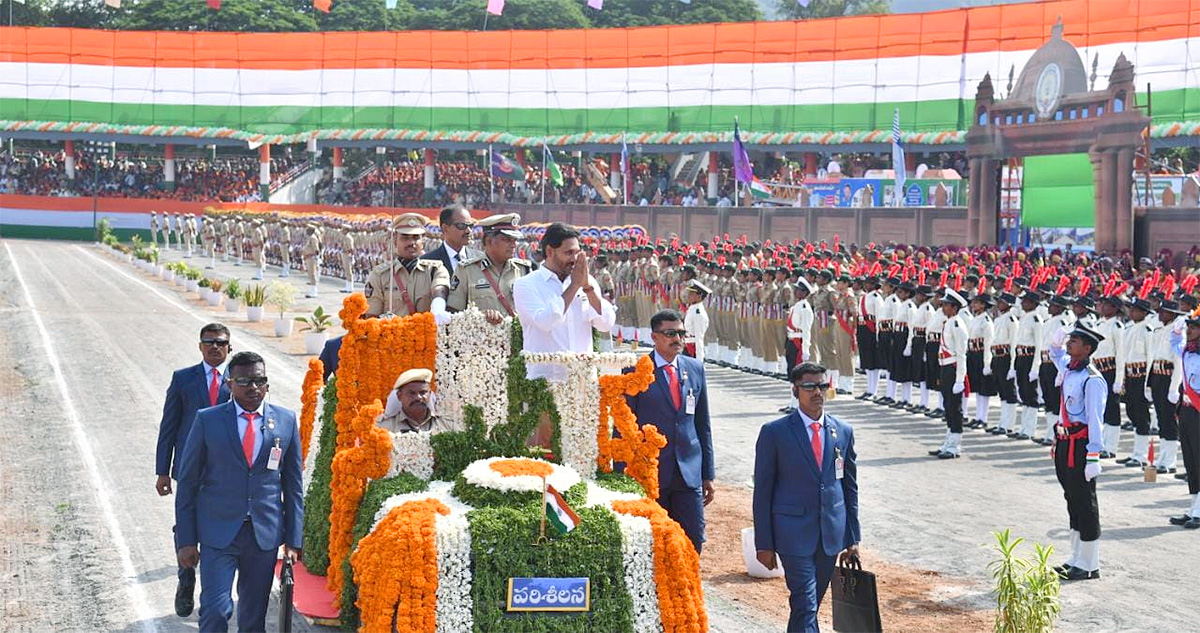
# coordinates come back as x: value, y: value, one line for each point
x: 408, y: 284
x: 485, y: 280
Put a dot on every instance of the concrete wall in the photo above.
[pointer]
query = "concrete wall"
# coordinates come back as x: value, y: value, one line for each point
x: 1156, y: 228
x: 925, y: 225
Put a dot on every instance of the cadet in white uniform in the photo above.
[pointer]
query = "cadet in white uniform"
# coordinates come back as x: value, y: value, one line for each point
x: 1005, y: 329
x: 799, y: 331
x: 1027, y: 348
x: 695, y: 320
x: 952, y: 357
x: 1164, y: 385
x: 1134, y: 371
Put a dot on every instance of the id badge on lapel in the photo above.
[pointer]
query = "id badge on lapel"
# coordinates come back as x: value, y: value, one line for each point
x: 839, y: 467
x: 276, y: 456
x: 690, y: 403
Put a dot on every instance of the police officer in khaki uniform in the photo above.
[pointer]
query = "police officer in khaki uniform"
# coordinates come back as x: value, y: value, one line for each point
x: 485, y: 280
x: 408, y: 284
x: 311, y: 254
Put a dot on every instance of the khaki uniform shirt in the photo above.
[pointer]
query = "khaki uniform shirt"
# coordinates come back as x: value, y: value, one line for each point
x: 469, y: 286
x: 400, y: 423
x: 426, y: 275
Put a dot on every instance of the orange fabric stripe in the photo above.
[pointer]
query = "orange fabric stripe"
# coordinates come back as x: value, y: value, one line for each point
x: 1010, y: 27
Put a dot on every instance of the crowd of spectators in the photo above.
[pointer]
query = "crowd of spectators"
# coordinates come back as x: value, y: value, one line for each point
x: 198, y: 179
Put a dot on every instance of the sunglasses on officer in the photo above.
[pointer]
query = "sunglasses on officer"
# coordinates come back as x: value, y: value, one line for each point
x: 214, y: 342
x: 812, y: 386
x: 672, y: 333
x: 246, y: 381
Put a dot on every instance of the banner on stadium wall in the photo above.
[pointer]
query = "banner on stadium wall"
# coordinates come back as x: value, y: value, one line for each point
x: 847, y: 74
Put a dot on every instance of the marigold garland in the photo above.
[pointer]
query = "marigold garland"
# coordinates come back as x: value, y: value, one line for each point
x: 396, y: 569
x: 518, y: 467
x: 637, y: 446
x: 314, y: 382
x: 352, y: 467
x: 676, y: 569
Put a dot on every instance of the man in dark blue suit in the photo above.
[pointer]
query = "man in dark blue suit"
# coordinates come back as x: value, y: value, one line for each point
x: 456, y: 223
x: 806, y: 495
x: 677, y: 404
x: 240, y: 498
x: 192, y: 388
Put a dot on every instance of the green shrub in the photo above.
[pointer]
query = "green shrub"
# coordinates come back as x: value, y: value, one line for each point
x: 317, y: 503
x: 620, y: 482
x: 233, y: 289
x: 1026, y: 590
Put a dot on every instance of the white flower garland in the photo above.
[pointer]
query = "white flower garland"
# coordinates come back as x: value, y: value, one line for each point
x: 412, y: 453
x: 480, y: 473
x: 472, y: 359
x: 314, y: 443
x: 598, y: 495
x: 577, y: 398
x: 455, y: 608
x: 637, y: 553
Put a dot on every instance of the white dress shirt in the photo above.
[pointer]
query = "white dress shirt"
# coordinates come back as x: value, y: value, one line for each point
x: 550, y: 326
x: 808, y: 422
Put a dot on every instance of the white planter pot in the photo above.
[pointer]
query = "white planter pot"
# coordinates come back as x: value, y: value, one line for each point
x: 233, y: 305
x: 181, y: 281
x: 167, y: 275
x: 314, y: 342
x: 254, y: 313
x: 128, y: 257
x: 157, y: 269
x: 214, y: 298
x: 283, y: 327
x: 204, y: 292
x: 193, y: 285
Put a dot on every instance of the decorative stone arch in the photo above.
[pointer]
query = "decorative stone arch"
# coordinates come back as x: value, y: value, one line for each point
x: 1051, y: 111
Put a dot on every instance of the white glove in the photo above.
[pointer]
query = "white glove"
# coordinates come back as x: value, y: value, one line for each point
x: 1091, y: 471
x: 1173, y: 397
x: 1033, y: 376
x: 958, y: 387
x: 1148, y: 394
x: 1118, y: 388
x: 1179, y: 325
x: 1012, y: 374
x: 438, y: 308
x: 908, y: 351
x: 987, y: 370
x: 1060, y: 337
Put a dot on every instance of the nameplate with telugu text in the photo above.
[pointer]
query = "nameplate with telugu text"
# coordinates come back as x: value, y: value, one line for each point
x: 549, y: 594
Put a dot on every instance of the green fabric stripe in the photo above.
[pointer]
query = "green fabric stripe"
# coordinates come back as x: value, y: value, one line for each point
x: 552, y: 518
x: 81, y: 234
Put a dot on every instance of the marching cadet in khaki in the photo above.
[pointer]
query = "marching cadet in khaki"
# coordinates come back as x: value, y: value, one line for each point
x: 777, y: 328
x: 189, y: 234
x: 844, y: 311
x: 766, y: 339
x: 485, y: 280
x: 237, y: 233
x: 623, y: 296
x: 741, y: 319
x: 177, y: 231
x: 408, y: 284
x: 222, y: 228
x: 166, y: 231
x: 348, y: 259
x: 603, y: 275
x: 258, y: 248
x: 311, y: 254
x: 285, y: 249
x: 822, y: 305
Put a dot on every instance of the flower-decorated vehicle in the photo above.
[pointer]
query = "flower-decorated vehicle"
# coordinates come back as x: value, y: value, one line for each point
x: 448, y: 532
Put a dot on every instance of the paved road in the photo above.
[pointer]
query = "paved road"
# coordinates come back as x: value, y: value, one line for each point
x: 85, y: 542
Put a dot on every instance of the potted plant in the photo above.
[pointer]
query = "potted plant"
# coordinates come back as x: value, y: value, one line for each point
x: 181, y: 274
x: 168, y: 272
x: 214, y: 292
x: 202, y: 286
x: 193, y: 279
x: 233, y: 295
x: 253, y: 298
x: 281, y: 296
x: 315, y: 326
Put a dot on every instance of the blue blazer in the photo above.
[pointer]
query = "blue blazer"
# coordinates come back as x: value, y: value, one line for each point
x: 217, y: 490
x: 187, y: 394
x: 798, y: 505
x: 688, y: 455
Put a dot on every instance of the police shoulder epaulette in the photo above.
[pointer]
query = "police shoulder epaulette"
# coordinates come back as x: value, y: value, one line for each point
x: 474, y: 258
x: 522, y: 262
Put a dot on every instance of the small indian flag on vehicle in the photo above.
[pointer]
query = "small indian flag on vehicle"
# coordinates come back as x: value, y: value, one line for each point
x: 759, y: 190
x: 558, y: 514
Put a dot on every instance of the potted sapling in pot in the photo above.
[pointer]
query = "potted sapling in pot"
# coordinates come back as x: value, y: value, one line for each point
x: 282, y: 296
x: 315, y: 327
x: 215, y: 292
x: 203, y: 286
x: 253, y: 298
x: 233, y: 295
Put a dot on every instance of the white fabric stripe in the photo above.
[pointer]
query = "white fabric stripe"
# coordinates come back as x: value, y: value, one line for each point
x: 805, y: 83
x: 72, y: 219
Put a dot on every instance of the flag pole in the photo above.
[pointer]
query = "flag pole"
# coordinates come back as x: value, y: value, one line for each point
x: 542, y: 530
x: 491, y: 177
x: 545, y: 151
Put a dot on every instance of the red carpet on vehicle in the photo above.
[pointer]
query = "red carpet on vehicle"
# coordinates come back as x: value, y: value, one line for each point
x: 310, y: 598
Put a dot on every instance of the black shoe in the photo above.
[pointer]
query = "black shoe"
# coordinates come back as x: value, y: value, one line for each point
x: 1163, y: 470
x: 935, y: 453
x: 921, y: 410
x: 1020, y: 436
x: 1127, y: 427
x: 1183, y: 520
x: 1107, y: 455
x: 947, y: 455
x: 1076, y: 573
x: 184, y: 602
x: 899, y: 404
x: 936, y: 413
x: 1045, y: 441
x: 1124, y: 460
x: 1133, y: 463
x: 884, y: 400
x: 1182, y: 476
x: 1192, y: 525
x: 863, y: 396
x: 844, y: 392
x: 998, y: 431
x: 1063, y: 568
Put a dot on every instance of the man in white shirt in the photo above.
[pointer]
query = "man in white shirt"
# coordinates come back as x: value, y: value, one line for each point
x: 560, y: 303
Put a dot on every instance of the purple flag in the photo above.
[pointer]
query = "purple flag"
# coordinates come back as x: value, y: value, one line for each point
x: 504, y: 167
x: 741, y: 160
x: 596, y: 4
x: 495, y: 7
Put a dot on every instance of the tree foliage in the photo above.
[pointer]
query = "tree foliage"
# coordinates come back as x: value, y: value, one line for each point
x: 791, y: 10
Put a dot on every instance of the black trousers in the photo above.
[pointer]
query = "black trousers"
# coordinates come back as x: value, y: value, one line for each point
x: 883, y: 350
x: 951, y: 402
x: 1026, y: 388
x: 1136, y: 405
x: 980, y: 384
x: 1189, y: 441
x: 1082, y: 507
x: 791, y: 353
x: 900, y: 367
x: 867, y: 355
x: 1005, y: 387
x: 933, y: 370
x: 1112, y: 409
x: 916, y: 362
x: 1168, y: 424
x: 1051, y: 393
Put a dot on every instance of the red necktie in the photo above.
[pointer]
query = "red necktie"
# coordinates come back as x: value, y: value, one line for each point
x: 816, y: 441
x: 248, y: 437
x: 672, y: 384
x: 214, y: 387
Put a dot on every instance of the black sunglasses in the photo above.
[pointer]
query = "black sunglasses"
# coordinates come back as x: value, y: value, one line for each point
x: 813, y: 386
x: 257, y: 381
x: 672, y: 333
x: 214, y: 342
x: 463, y: 226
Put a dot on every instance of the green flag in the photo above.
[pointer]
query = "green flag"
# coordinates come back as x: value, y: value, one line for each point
x: 552, y: 170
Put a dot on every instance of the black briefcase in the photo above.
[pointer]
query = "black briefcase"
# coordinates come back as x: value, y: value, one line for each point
x: 855, y: 600
x: 287, y: 584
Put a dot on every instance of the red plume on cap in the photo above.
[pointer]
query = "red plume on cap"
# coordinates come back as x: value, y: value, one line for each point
x: 1085, y: 284
x: 1168, y: 285
x: 836, y: 241
x: 942, y: 279
x: 893, y: 269
x: 1121, y: 289
x: 1008, y: 285
x: 837, y: 269
x: 1147, y: 286
x: 877, y: 267
x: 809, y: 248
x: 721, y: 260
x: 680, y: 260
x: 958, y: 279
x: 906, y: 274
x: 726, y: 237
x: 1189, y: 282
x: 871, y: 246
x: 788, y: 263
x: 1016, y: 269
x: 1063, y: 283
x: 921, y: 278
x: 795, y: 241
x: 982, y: 270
